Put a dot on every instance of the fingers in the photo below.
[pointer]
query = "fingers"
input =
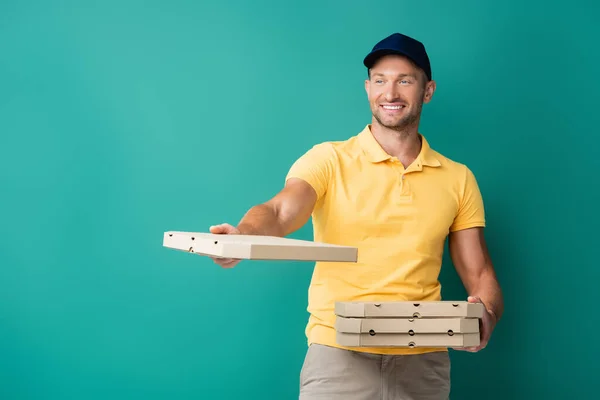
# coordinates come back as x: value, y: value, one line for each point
x: 472, y: 349
x: 224, y: 229
x: 483, y: 330
x: 484, y: 339
x: 474, y: 299
x: 218, y: 229
x: 225, y: 262
x: 221, y: 260
x: 230, y: 264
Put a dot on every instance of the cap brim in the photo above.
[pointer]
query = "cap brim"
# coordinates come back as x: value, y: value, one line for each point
x: 372, y: 57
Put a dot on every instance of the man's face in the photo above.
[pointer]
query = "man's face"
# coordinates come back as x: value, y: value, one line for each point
x: 396, y: 91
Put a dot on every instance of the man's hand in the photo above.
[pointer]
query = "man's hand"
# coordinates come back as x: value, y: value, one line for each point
x: 486, y: 325
x: 225, y: 229
x: 283, y: 214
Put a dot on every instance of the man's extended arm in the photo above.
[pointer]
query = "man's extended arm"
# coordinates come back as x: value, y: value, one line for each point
x: 283, y: 214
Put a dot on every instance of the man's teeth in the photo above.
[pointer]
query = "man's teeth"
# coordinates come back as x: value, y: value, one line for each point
x: 393, y: 107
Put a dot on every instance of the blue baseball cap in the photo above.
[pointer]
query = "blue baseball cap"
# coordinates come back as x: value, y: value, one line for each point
x: 398, y: 43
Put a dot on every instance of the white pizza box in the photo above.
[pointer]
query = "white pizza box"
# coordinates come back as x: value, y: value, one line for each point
x: 411, y: 326
x: 398, y: 309
x: 405, y: 340
x: 257, y: 247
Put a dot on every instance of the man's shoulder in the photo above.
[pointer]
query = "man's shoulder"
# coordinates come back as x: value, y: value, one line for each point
x: 336, y: 148
x: 450, y: 164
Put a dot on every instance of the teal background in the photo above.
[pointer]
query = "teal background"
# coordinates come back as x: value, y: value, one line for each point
x: 120, y: 120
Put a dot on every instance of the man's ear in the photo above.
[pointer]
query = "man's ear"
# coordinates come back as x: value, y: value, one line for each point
x: 429, y: 90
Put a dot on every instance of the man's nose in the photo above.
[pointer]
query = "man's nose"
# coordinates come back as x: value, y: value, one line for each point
x: 391, y: 92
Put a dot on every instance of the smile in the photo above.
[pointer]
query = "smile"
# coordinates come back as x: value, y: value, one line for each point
x: 392, y: 107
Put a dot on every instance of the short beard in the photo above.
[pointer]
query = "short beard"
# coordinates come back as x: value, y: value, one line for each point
x: 405, y: 122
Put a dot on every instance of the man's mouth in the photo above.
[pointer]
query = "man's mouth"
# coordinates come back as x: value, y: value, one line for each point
x: 393, y: 107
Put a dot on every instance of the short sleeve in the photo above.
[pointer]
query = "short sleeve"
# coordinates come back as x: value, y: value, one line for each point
x: 471, y: 212
x: 316, y: 167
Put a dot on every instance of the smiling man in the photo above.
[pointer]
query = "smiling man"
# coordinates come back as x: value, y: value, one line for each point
x: 387, y: 192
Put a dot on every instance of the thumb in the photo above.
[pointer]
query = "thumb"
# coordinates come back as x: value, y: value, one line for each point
x: 222, y: 229
x: 474, y: 299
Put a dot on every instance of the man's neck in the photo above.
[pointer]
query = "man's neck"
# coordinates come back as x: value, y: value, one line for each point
x: 405, y: 145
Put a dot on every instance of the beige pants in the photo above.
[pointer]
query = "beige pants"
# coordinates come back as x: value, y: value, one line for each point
x: 330, y: 373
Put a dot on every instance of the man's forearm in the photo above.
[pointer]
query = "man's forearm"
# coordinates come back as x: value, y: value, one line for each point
x: 488, y: 290
x: 261, y: 220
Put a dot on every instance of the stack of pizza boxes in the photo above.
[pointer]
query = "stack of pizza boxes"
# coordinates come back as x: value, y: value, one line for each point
x: 408, y: 324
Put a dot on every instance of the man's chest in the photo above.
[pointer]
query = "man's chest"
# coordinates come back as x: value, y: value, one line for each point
x: 392, y: 203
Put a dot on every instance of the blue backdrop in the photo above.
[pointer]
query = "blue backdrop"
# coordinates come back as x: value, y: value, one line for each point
x: 120, y: 120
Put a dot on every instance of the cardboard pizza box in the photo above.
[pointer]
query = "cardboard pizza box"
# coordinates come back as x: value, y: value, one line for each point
x: 406, y: 340
x: 257, y: 247
x: 411, y: 326
x: 406, y: 309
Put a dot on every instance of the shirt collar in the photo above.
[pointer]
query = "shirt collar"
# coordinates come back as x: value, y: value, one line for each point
x: 375, y: 153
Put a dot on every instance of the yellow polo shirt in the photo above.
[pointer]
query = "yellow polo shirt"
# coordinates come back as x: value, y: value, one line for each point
x: 397, y: 218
